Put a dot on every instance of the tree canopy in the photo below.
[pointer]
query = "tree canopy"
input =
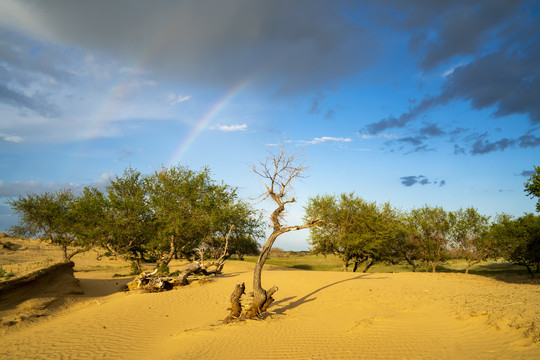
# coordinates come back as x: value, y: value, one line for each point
x: 532, y: 186
x: 144, y: 217
x: 352, y: 228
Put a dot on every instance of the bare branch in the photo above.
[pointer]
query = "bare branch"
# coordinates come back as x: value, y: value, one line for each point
x: 279, y: 171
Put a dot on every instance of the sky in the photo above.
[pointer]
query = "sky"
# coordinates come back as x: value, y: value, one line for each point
x: 414, y: 102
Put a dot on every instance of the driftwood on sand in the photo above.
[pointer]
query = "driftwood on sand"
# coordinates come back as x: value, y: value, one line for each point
x: 155, y: 282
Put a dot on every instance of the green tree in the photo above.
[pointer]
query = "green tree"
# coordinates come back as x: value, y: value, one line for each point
x: 532, y: 186
x: 193, y: 211
x: 179, y: 199
x: 408, y: 242
x: 229, y: 210
x: 431, y: 227
x: 48, y: 216
x: 353, y: 229
x: 519, y: 240
x: 129, y: 219
x: 89, y: 213
x: 469, y: 233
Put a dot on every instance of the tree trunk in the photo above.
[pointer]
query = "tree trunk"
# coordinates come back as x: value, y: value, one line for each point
x: 371, y: 263
x: 64, y: 249
x: 345, y: 264
x: 164, y: 261
x: 260, y: 297
x: 529, y: 270
x: 236, y: 305
x: 411, y: 262
x: 136, y: 266
x: 355, y: 267
x: 78, y: 251
x: 193, y: 267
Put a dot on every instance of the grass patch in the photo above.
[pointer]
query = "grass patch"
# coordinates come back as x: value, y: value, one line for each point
x: 493, y: 268
x: 303, y: 262
x: 5, y: 274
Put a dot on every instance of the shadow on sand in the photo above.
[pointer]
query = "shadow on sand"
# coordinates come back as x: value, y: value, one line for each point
x: 505, y: 272
x: 309, y: 297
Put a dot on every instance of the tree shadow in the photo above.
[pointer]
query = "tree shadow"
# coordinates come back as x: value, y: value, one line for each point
x: 228, y: 275
x: 103, y: 287
x: 302, y: 267
x: 508, y: 273
x: 308, y: 298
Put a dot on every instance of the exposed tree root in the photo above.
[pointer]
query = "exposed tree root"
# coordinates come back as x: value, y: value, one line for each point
x: 258, y: 306
x: 236, y: 304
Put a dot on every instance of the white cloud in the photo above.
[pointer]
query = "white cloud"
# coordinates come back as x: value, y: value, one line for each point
x: 450, y: 70
x: 326, y: 139
x: 175, y: 99
x: 104, y: 178
x: 378, y: 136
x: 16, y: 188
x: 11, y: 138
x: 230, y: 128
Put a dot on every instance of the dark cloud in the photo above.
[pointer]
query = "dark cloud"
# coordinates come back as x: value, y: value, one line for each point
x: 405, y: 118
x: 509, y: 83
x: 316, y: 103
x: 432, y: 130
x: 441, y: 30
x: 24, y: 58
x: 423, y: 181
x: 413, y: 180
x: 125, y: 154
x: 37, y: 102
x: 423, y: 148
x: 459, y: 150
x: 484, y: 146
x: 330, y: 114
x: 502, y: 36
x: 420, y: 179
x: 288, y: 46
x: 413, y: 140
x: 27, y: 65
x: 410, y: 180
x: 527, y: 173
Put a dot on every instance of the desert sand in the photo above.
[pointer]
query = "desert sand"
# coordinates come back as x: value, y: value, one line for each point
x: 317, y: 315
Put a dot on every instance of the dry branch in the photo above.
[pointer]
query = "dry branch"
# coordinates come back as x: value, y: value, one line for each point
x: 280, y: 169
x: 154, y: 282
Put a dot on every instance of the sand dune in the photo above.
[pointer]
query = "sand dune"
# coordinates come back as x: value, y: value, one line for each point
x: 317, y: 315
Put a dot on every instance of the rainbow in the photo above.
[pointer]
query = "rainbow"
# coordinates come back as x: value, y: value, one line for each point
x: 149, y: 52
x: 203, y: 122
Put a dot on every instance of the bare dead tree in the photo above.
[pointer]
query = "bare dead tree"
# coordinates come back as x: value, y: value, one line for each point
x: 279, y: 171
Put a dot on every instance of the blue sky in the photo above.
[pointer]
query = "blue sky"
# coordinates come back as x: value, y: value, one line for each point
x: 412, y: 102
